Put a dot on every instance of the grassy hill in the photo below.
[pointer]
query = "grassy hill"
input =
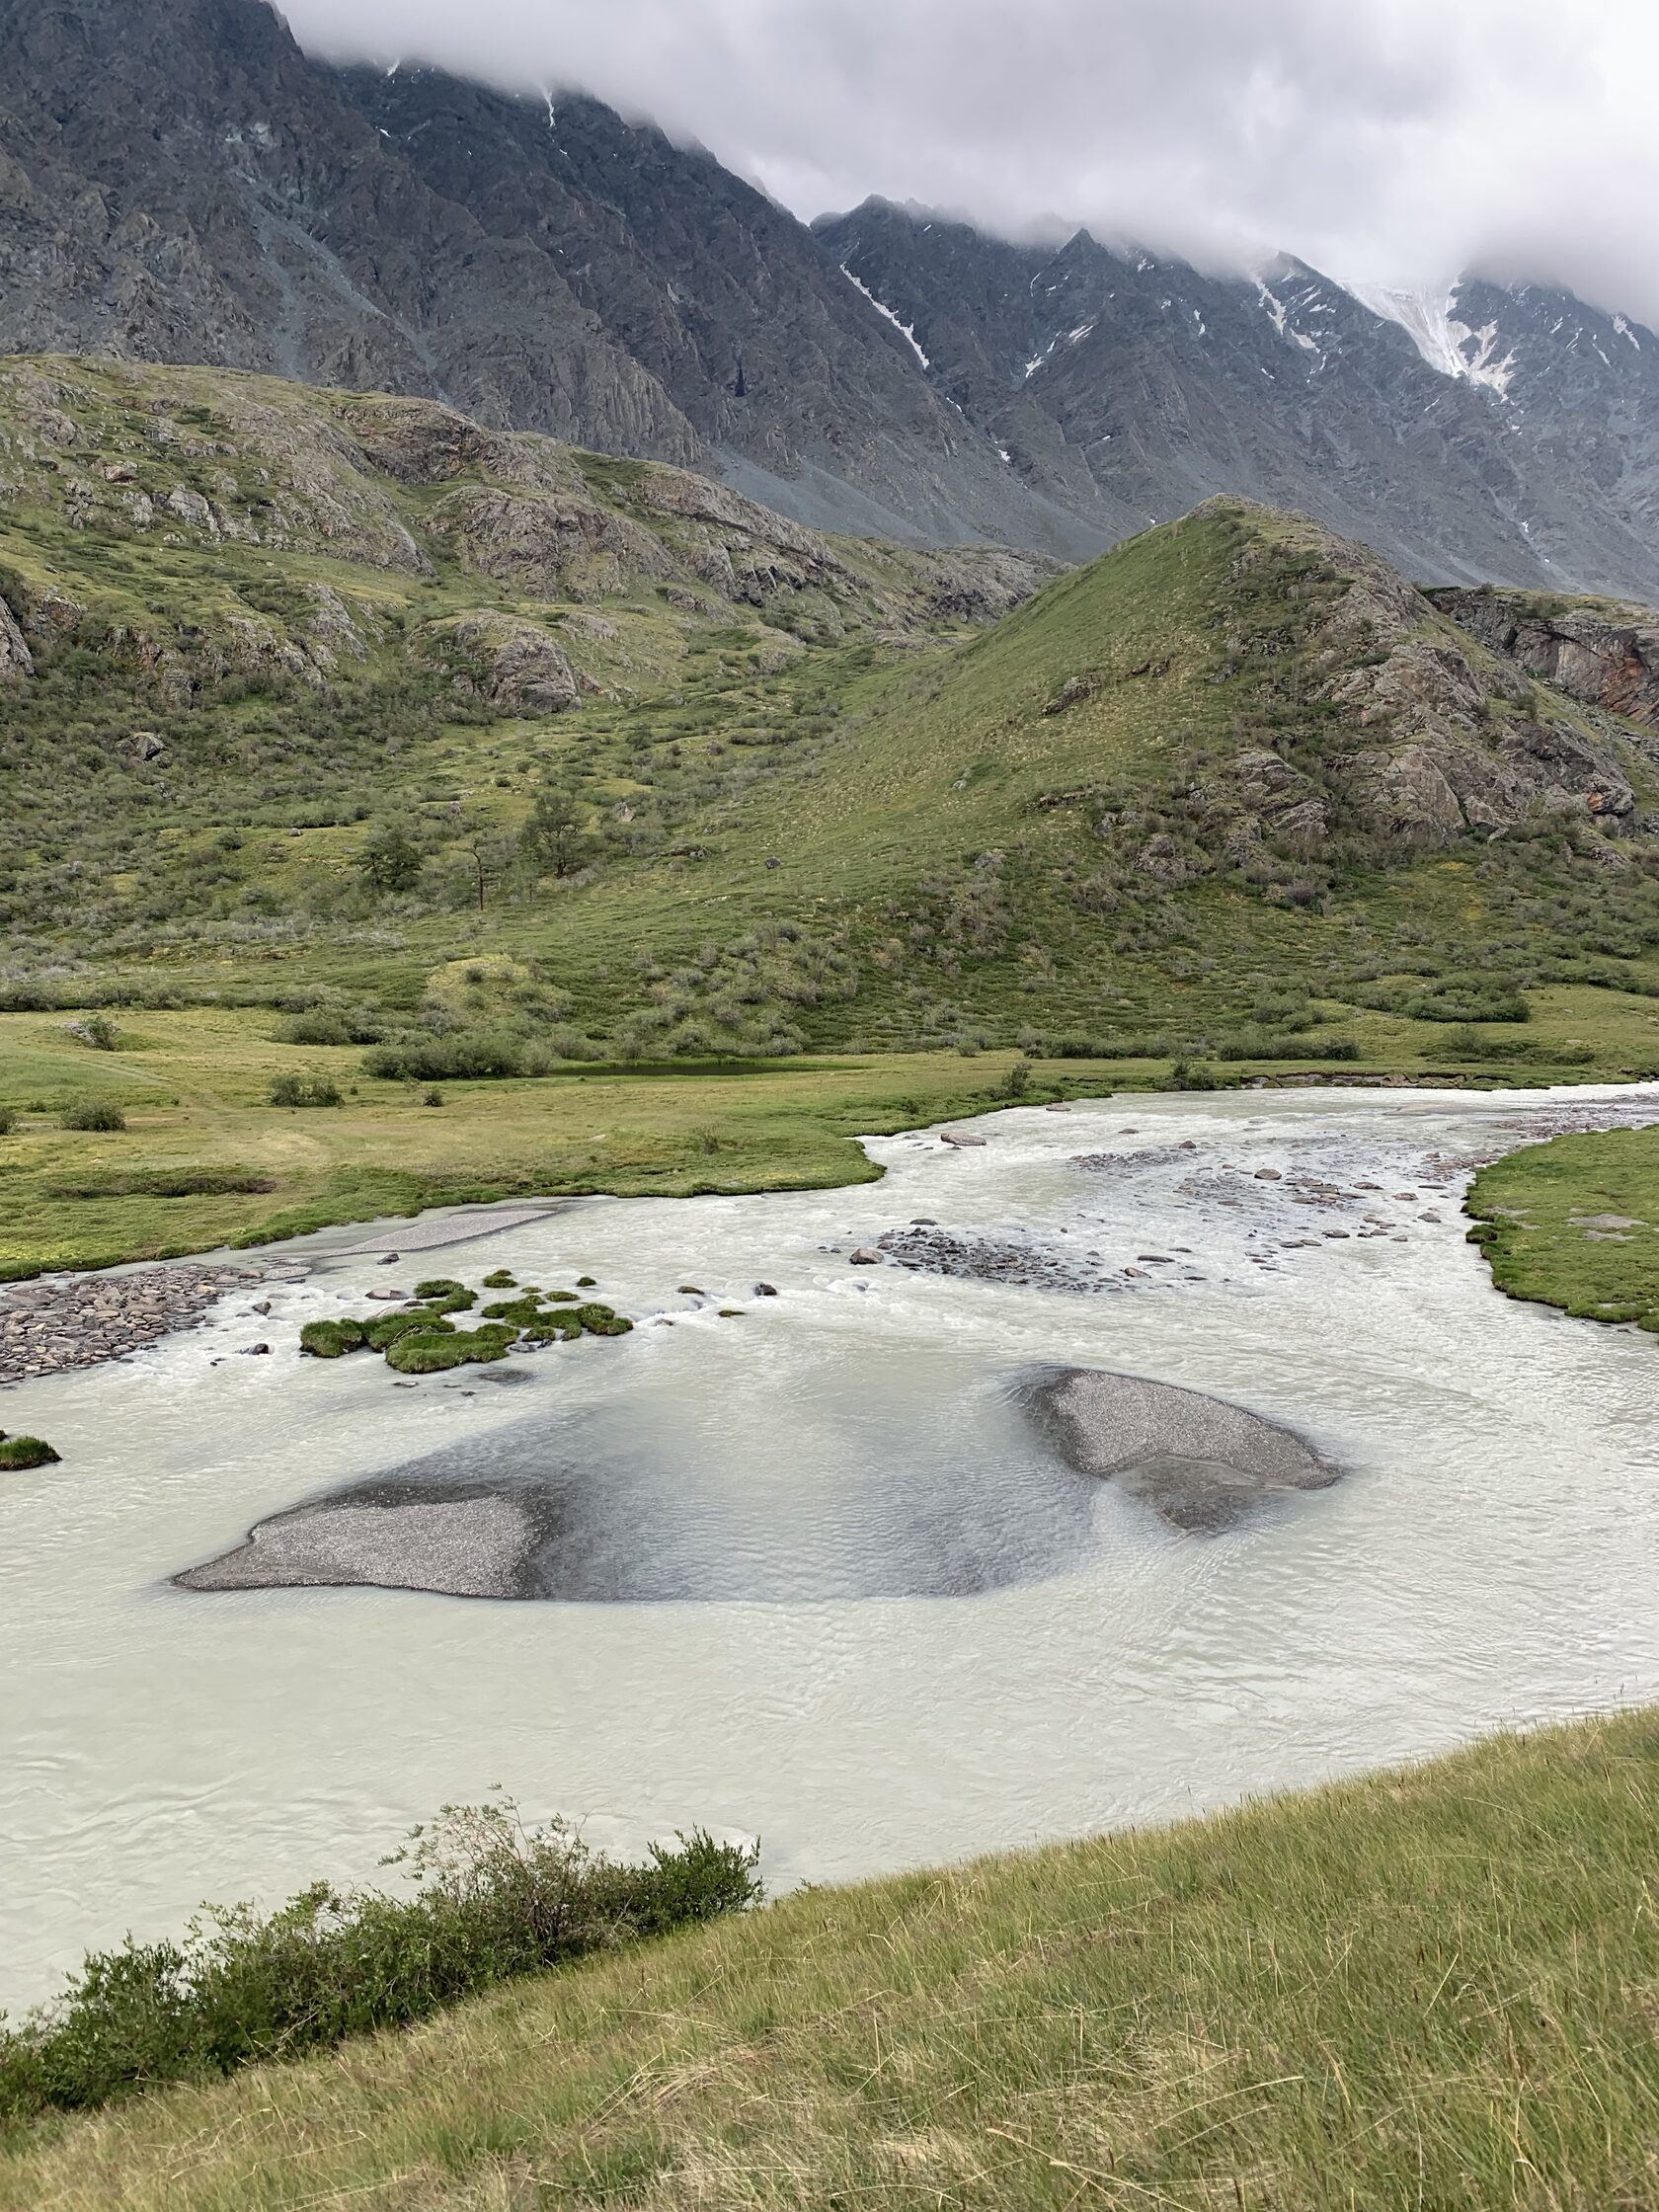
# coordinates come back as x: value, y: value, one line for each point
x: 342, y: 738
x: 1433, y: 1986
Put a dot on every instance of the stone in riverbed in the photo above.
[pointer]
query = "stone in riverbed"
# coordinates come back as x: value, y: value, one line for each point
x: 1203, y: 1464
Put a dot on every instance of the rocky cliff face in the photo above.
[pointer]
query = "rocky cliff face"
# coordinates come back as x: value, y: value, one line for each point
x: 178, y: 183
x: 1597, y: 650
x: 1126, y: 387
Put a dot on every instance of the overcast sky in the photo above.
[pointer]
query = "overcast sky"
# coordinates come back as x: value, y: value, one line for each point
x: 1384, y: 140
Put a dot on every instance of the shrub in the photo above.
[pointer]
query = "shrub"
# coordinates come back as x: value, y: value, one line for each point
x: 1292, y: 1047
x: 464, y: 1056
x: 495, y: 1900
x: 1192, y: 1074
x: 332, y: 1340
x: 18, y: 1454
x: 95, y: 1114
x: 1018, y: 1081
x: 303, y: 1090
x: 334, y: 1025
x: 96, y: 1030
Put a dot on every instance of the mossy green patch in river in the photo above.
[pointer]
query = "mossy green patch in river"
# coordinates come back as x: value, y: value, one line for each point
x: 1575, y: 1224
x: 19, y: 1453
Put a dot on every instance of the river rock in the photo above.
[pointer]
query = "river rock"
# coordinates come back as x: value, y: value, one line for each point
x: 1201, y: 1463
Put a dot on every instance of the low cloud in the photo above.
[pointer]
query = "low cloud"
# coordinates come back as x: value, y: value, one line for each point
x: 1384, y: 140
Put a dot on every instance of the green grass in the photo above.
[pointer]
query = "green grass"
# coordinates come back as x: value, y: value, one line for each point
x: 205, y: 1159
x: 1437, y: 1987
x: 1575, y: 1224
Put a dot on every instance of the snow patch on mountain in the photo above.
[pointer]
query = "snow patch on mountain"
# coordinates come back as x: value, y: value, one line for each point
x: 905, y: 330
x: 1428, y: 318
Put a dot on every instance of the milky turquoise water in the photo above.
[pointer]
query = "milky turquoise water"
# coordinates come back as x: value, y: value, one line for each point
x: 1492, y: 1555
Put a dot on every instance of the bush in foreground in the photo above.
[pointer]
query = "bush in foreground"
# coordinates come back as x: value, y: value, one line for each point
x: 495, y: 1900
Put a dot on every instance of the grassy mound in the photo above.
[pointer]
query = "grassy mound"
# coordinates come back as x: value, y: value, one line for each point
x: 1575, y: 1224
x: 1425, y: 1988
x: 18, y: 1454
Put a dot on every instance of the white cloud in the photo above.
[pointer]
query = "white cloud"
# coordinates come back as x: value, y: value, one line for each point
x: 1388, y: 140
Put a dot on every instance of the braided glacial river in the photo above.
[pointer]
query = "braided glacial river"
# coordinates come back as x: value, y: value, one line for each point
x: 814, y: 1572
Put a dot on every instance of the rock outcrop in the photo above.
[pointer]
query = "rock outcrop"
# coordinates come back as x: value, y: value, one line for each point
x: 1598, y: 651
x: 16, y: 659
x: 517, y: 667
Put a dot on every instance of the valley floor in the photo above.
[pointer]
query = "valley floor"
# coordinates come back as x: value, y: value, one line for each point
x: 205, y: 1159
x: 1429, y: 1987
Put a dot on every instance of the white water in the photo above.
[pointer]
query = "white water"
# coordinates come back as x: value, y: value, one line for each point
x: 1491, y: 1556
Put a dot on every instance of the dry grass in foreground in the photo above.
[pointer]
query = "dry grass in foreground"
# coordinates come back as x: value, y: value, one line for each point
x: 1435, y: 1988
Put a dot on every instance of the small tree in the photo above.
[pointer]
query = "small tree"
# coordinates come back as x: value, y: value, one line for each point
x: 391, y: 860
x: 555, y: 840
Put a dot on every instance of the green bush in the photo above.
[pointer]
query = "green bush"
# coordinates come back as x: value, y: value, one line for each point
x: 96, y: 1030
x: 18, y: 1454
x: 463, y: 1056
x: 495, y: 1900
x: 332, y: 1340
x: 95, y: 1114
x: 303, y: 1090
x: 1292, y: 1046
x: 1192, y: 1074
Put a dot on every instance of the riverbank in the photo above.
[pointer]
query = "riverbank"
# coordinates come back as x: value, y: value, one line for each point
x: 1429, y: 1986
x: 206, y: 1160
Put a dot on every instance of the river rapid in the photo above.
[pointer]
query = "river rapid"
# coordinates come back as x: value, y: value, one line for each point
x: 827, y: 1583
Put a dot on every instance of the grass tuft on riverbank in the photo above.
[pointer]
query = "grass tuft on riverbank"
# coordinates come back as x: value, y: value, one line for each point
x: 1435, y: 1987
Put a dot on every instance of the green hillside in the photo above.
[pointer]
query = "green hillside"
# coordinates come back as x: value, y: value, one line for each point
x: 342, y: 740
x: 313, y: 693
x: 1433, y: 1986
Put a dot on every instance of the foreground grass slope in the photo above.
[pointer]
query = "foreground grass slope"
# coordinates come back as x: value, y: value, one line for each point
x: 1437, y: 1987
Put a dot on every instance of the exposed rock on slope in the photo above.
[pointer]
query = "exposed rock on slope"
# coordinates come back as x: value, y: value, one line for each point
x: 1443, y: 735
x: 1598, y: 651
x: 401, y: 492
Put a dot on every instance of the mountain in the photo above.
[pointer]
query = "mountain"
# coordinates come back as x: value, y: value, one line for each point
x: 180, y: 183
x: 1491, y: 434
